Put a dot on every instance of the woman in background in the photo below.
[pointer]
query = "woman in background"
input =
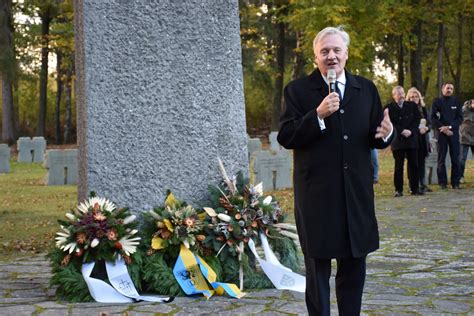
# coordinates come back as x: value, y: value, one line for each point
x: 415, y: 96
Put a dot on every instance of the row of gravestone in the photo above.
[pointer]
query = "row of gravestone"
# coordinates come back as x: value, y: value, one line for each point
x: 29, y: 150
x: 272, y: 167
x: 61, y: 164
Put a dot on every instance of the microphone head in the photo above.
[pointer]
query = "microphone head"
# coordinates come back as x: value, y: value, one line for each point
x: 331, y: 75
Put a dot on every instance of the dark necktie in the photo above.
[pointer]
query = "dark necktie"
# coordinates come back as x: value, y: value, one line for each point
x: 338, y: 91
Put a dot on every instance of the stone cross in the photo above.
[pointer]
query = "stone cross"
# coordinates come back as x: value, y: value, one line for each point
x: 159, y: 98
x: 4, y: 158
x: 62, y: 166
x: 39, y: 147
x: 25, y: 149
x: 253, y: 145
x: 31, y: 150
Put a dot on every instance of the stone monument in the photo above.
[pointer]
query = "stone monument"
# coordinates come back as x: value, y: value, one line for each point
x: 159, y: 98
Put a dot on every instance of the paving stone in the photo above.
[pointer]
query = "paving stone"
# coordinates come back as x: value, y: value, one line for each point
x: 269, y: 293
x: 395, y: 299
x: 17, y: 310
x: 55, y: 312
x: 153, y: 308
x: 109, y: 310
x: 297, y: 308
x: 245, y: 309
x: 451, y: 306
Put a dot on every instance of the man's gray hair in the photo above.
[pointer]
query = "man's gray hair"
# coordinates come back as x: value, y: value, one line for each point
x: 330, y: 30
x: 396, y: 88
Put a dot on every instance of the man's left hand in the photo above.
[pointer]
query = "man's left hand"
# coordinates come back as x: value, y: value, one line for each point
x: 385, y: 128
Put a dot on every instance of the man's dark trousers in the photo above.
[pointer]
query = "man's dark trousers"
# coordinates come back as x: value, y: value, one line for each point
x: 412, y: 159
x: 452, y: 142
x: 350, y: 278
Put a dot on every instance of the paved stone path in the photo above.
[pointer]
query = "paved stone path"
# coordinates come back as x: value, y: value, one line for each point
x: 425, y: 266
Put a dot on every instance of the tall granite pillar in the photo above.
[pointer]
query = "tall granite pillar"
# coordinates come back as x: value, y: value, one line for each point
x: 159, y: 98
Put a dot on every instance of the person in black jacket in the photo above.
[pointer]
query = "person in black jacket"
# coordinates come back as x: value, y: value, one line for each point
x: 406, y: 118
x: 424, y: 149
x: 446, y: 115
x: 331, y: 136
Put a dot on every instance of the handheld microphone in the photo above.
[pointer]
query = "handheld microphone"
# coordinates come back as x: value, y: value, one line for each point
x: 332, y: 80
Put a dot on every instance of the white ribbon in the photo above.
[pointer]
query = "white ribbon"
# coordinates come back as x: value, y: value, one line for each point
x: 282, y: 277
x: 122, y: 290
x: 100, y: 291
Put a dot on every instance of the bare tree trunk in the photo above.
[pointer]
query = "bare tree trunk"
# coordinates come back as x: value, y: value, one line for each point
x: 59, y: 85
x: 8, y: 130
x: 298, y: 60
x: 415, y: 58
x: 68, y: 116
x: 439, y: 63
x: 278, y: 93
x: 429, y: 68
x: 7, y: 70
x: 43, y: 98
x: 401, y: 62
x: 457, y: 77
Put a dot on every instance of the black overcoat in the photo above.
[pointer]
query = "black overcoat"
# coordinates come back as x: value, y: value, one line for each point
x: 332, y: 178
x: 407, y: 117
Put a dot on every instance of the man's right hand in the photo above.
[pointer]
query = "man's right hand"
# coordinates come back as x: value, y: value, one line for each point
x: 328, y: 106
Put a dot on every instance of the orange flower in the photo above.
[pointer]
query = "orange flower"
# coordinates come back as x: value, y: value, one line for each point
x: 96, y: 207
x: 188, y: 221
x: 81, y: 238
x: 200, y: 237
x: 112, y: 234
x: 99, y: 217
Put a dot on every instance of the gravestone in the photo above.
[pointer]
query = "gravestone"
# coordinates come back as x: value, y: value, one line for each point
x: 159, y: 98
x: 4, y: 158
x: 25, y: 149
x: 274, y: 169
x: 253, y: 145
x: 62, y: 166
x: 431, y: 163
x: 38, y: 146
x: 274, y: 145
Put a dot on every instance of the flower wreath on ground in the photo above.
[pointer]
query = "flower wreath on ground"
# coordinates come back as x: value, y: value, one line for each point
x: 165, y: 231
x: 97, y: 231
x: 240, y: 214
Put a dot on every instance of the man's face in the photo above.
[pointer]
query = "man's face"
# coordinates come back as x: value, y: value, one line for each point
x: 398, y: 95
x: 331, y: 53
x: 447, y: 90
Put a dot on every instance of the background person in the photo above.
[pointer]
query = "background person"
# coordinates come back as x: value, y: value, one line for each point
x: 446, y: 116
x: 333, y: 180
x: 467, y: 134
x: 424, y: 150
x: 405, y: 118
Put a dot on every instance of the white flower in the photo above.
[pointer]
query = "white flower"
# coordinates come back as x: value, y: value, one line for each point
x: 224, y: 217
x: 257, y: 189
x: 94, y: 243
x: 71, y: 216
x: 267, y: 200
x: 154, y: 215
x: 105, y: 205
x: 129, y: 244
x: 62, y: 240
x: 129, y: 219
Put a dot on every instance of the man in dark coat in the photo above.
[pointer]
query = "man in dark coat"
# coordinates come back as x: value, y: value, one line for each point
x: 446, y: 116
x: 331, y: 138
x: 406, y: 119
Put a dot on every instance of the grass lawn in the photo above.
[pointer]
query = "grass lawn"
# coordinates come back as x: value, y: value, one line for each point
x: 29, y: 209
